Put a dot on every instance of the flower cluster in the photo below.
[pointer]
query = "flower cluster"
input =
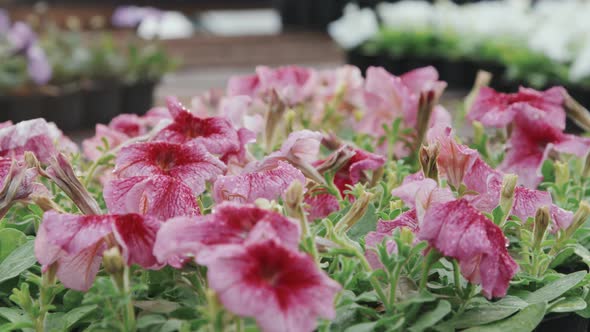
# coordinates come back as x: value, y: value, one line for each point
x: 265, y: 199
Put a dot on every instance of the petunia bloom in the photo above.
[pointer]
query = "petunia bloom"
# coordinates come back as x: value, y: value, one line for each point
x: 292, y: 84
x: 265, y: 180
x: 75, y: 244
x: 217, y: 134
x: 454, y: 160
x: 191, y: 164
x: 534, y: 135
x: 355, y: 170
x: 31, y: 135
x: 495, y: 109
x: 282, y: 289
x: 459, y: 231
x: 184, y: 237
x: 160, y: 196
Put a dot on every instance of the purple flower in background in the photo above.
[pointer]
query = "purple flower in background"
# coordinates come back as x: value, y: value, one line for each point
x: 24, y: 41
x: 131, y: 16
x: 21, y: 36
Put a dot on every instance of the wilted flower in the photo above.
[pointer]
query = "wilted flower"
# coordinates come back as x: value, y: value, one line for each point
x: 459, y: 231
x: 17, y: 184
x: 75, y: 244
x: 184, y: 237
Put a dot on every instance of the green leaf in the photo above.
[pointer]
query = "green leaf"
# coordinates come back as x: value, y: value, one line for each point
x: 13, y: 315
x: 73, y: 316
x: 430, y: 318
x: 583, y: 253
x: 366, y: 224
x: 150, y: 320
x: 10, y: 239
x: 524, y: 321
x: 488, y: 312
x: 18, y: 261
x: 556, y: 288
x: 363, y: 327
x: 569, y: 305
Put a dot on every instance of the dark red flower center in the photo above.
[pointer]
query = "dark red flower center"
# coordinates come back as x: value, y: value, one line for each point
x: 165, y: 160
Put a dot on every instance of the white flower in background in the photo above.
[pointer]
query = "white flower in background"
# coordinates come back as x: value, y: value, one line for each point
x: 170, y: 25
x: 354, y: 27
x: 406, y: 14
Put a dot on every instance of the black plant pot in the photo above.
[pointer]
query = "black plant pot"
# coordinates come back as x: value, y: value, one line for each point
x: 18, y: 108
x: 569, y: 322
x: 309, y: 14
x: 357, y: 58
x: 138, y: 98
x: 102, y: 102
x: 459, y: 73
x: 65, y: 109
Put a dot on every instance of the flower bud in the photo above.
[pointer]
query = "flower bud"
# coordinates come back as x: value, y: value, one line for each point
x: 507, y: 193
x: 113, y: 261
x: 562, y: 173
x: 579, y: 218
x: 294, y: 200
x: 427, y: 156
x: 425, y: 107
x: 276, y: 109
x: 479, y: 132
x: 586, y: 170
x: 482, y: 79
x: 542, y: 220
x: 575, y: 111
x: 61, y: 172
x: 356, y: 212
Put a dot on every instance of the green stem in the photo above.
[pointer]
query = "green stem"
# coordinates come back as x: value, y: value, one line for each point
x: 45, y: 298
x: 432, y: 257
x: 130, y: 323
x: 91, y: 171
x: 393, y: 285
x: 457, y: 278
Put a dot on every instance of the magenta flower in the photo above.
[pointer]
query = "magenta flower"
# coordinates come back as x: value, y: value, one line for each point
x: 458, y: 230
x: 355, y: 170
x: 282, y: 289
x: 160, y: 196
x: 183, y: 237
x: 32, y: 135
x: 320, y: 205
x: 533, y: 137
x: 495, y: 109
x: 75, y: 244
x: 216, y: 134
x: 262, y: 180
x: 189, y: 164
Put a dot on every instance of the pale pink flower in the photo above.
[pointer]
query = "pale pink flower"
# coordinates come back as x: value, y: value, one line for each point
x: 302, y: 146
x: 76, y: 243
x: 31, y: 135
x: 243, y: 112
x: 215, y: 133
x: 282, y: 289
x: 182, y: 237
x: 94, y: 147
x: 495, y: 109
x: 385, y: 228
x: 262, y: 180
x: 454, y: 160
x: 459, y: 231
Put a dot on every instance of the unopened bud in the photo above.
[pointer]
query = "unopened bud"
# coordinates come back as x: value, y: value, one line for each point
x: 507, y: 195
x: 542, y: 220
x: 113, y: 261
x: 294, y: 199
x: 337, y: 159
x: 479, y: 132
x: 426, y: 105
x: 579, y: 218
x: 482, y: 79
x: 576, y: 112
x: 356, y: 212
x: 562, y: 173
x: 276, y: 109
x: 586, y: 170
x: 428, y: 155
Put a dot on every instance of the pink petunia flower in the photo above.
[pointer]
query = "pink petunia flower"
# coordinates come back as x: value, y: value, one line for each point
x: 75, y: 243
x: 282, y: 289
x: 159, y: 196
x: 215, y: 133
x: 183, y: 237
x: 458, y: 230
x: 354, y: 171
x: 320, y: 205
x: 495, y: 109
x: 293, y: 85
x: 533, y: 137
x: 190, y: 164
x: 454, y: 160
x: 260, y: 180
x: 31, y: 135
x: 17, y: 184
